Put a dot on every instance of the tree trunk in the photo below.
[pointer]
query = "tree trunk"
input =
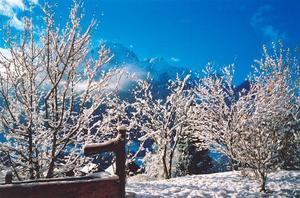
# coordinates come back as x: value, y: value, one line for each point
x: 234, y: 164
x: 170, y: 165
x: 171, y: 158
x: 53, y: 157
x: 30, y: 148
x: 263, y: 178
x: 166, y: 172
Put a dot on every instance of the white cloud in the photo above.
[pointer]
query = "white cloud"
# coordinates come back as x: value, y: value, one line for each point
x: 17, y: 23
x: 259, y: 16
x: 173, y: 59
x: 119, y: 81
x: 5, y: 9
x: 271, y: 32
x: 6, y: 53
x: 261, y: 22
x: 16, y: 3
x: 11, y: 9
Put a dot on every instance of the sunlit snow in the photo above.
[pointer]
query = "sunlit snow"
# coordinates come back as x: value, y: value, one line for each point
x: 227, y: 184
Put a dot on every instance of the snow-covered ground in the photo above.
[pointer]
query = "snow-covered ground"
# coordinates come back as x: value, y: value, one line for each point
x: 227, y: 184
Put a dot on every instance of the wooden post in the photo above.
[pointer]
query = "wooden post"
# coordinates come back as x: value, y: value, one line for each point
x: 8, y: 177
x: 116, y: 145
x: 121, y: 160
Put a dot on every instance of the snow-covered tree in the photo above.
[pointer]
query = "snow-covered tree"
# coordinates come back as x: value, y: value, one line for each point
x: 162, y: 121
x: 272, y: 115
x: 250, y: 127
x: 218, y: 110
x: 51, y: 96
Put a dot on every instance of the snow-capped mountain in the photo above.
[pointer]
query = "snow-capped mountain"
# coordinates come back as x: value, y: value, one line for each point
x: 158, y: 69
x: 121, y: 54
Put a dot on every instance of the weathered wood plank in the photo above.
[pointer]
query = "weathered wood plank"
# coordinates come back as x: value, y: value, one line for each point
x: 94, y: 188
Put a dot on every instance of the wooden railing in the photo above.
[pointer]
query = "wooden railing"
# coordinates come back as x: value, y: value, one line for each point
x: 91, y: 186
x: 117, y: 146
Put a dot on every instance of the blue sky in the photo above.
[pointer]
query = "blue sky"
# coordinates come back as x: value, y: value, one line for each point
x: 188, y: 32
